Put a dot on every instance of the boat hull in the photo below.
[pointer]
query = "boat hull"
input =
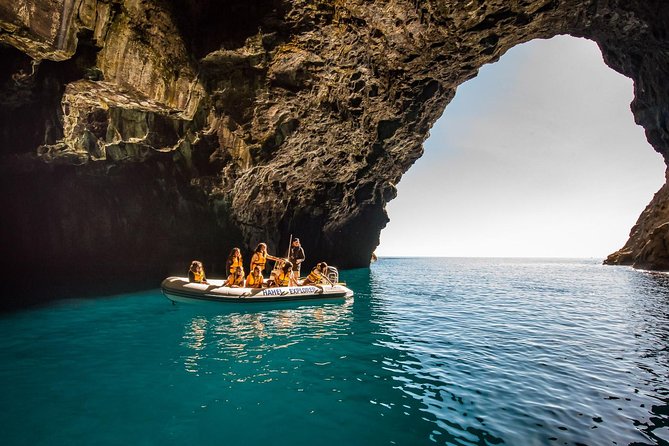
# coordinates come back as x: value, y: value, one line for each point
x: 179, y: 289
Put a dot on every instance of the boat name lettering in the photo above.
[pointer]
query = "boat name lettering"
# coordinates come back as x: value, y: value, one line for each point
x: 302, y: 290
x: 282, y: 291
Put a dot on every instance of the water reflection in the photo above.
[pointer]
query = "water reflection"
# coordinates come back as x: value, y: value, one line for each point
x: 417, y: 371
x: 212, y: 339
x: 478, y: 354
x: 649, y: 322
x: 194, y: 339
x: 588, y: 361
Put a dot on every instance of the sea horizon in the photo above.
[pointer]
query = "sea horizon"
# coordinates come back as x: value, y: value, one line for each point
x: 418, y: 256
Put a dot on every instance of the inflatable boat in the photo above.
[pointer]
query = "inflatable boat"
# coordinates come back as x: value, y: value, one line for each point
x: 179, y: 289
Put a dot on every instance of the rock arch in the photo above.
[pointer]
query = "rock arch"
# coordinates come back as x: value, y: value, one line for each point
x: 151, y: 142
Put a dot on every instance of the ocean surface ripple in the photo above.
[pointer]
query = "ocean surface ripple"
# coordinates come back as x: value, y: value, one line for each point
x: 429, y: 351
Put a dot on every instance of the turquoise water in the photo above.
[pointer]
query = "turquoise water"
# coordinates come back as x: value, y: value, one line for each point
x: 429, y: 351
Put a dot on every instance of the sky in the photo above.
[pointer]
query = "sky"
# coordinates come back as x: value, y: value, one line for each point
x: 537, y: 156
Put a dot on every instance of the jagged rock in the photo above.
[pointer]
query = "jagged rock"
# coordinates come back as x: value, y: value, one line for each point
x: 276, y: 117
x: 292, y: 67
x: 103, y: 121
x: 648, y: 245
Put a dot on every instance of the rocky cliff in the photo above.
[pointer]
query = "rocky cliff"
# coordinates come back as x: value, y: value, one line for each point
x: 138, y: 134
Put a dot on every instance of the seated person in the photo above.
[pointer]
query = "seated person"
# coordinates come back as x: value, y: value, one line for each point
x: 234, y: 260
x: 255, y: 279
x: 318, y: 275
x: 196, y: 272
x: 236, y: 279
x: 278, y: 267
x: 285, y: 276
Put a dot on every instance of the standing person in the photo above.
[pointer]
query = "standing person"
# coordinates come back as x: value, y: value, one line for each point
x: 260, y: 257
x: 234, y: 260
x: 296, y: 257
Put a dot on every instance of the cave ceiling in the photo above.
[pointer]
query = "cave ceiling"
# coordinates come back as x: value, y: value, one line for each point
x: 189, y: 126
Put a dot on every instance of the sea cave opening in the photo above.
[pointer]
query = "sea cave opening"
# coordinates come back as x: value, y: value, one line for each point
x: 537, y: 156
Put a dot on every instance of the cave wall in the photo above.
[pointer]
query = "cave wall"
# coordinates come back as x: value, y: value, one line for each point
x: 238, y: 122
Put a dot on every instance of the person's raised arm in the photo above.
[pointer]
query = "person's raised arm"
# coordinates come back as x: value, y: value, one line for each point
x: 276, y: 259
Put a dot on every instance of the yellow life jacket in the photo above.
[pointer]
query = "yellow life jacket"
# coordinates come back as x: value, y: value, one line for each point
x: 315, y: 276
x: 198, y: 277
x: 236, y: 261
x: 260, y: 260
x: 235, y: 280
x: 252, y: 283
x: 283, y: 279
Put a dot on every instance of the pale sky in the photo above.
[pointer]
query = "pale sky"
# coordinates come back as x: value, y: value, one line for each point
x: 537, y: 156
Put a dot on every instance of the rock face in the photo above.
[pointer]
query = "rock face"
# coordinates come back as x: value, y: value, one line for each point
x: 648, y: 245
x: 138, y: 134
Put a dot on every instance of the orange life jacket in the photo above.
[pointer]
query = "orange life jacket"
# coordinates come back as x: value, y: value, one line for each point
x: 236, y: 261
x: 283, y: 279
x: 260, y: 260
x: 235, y: 280
x: 315, y: 276
x: 251, y: 281
x: 198, y: 277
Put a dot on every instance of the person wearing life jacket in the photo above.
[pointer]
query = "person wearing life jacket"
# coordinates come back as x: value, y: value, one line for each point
x: 318, y: 275
x: 254, y: 279
x: 236, y: 279
x: 196, y: 272
x: 285, y: 276
x: 234, y: 260
x: 278, y: 267
x: 260, y: 257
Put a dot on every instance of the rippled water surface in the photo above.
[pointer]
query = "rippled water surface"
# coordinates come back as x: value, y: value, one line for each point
x: 429, y: 351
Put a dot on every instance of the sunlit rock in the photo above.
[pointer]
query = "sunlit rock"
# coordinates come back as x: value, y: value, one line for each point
x: 258, y: 120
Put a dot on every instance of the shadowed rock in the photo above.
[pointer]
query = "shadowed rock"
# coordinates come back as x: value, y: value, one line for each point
x: 163, y: 131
